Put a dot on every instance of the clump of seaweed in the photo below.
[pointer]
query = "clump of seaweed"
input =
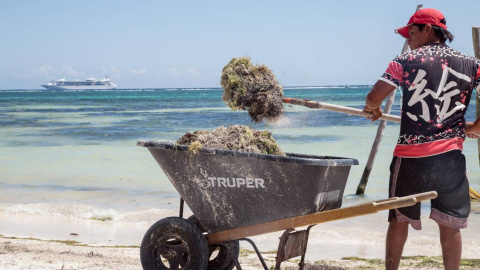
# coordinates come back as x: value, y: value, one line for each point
x: 252, y: 88
x: 236, y: 138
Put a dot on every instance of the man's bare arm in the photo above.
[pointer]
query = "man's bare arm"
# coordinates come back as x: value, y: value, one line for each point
x: 374, y: 99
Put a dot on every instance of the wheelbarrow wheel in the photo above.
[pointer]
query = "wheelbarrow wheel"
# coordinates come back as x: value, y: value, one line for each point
x: 174, y: 243
x: 222, y: 256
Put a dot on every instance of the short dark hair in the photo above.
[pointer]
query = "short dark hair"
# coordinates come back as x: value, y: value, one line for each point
x: 441, y: 33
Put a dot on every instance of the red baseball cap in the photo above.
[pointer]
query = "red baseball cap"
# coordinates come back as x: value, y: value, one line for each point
x: 423, y: 16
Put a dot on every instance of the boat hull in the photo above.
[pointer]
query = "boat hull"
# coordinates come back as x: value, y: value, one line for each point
x: 88, y: 84
x: 78, y: 87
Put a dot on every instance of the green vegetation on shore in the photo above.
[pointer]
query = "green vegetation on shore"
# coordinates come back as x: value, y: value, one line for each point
x: 66, y: 242
x: 407, y: 262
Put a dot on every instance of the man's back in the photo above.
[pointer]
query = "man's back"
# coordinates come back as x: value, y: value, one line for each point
x: 437, y: 83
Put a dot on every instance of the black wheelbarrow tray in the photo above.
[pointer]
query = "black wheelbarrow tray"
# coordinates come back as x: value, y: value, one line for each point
x: 234, y: 195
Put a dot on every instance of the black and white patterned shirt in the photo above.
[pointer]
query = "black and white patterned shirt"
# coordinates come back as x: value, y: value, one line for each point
x: 437, y: 83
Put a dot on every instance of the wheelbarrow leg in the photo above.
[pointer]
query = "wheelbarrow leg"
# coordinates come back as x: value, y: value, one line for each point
x: 256, y: 251
x: 302, y: 261
x: 237, y: 264
x: 281, y: 248
x: 181, y: 207
x: 292, y: 244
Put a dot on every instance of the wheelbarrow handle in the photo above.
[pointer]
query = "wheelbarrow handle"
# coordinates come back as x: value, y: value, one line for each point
x: 319, y: 217
x: 404, y: 201
x: 338, y: 108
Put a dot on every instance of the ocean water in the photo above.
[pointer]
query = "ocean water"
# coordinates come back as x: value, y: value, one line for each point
x: 69, y: 163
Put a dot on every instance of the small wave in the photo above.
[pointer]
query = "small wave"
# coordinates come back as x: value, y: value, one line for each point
x: 21, y: 90
x: 65, y: 210
x: 87, y: 212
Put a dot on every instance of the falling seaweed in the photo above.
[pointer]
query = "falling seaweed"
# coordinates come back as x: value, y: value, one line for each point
x: 252, y: 88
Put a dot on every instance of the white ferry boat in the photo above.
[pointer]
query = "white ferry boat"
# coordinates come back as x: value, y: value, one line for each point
x: 87, y: 84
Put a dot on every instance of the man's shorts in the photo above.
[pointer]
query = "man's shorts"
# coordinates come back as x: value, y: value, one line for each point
x: 444, y: 173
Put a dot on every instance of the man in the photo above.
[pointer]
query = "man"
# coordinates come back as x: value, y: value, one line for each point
x: 437, y: 83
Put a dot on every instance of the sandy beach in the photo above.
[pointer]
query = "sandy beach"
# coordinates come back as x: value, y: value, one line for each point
x: 16, y: 253
x: 30, y: 253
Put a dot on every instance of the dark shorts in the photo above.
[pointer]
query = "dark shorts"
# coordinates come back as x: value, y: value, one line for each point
x: 444, y: 173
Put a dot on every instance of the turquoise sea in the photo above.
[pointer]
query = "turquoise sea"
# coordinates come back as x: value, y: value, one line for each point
x: 69, y: 164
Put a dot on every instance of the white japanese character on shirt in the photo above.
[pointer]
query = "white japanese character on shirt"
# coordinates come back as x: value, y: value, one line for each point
x: 444, y: 87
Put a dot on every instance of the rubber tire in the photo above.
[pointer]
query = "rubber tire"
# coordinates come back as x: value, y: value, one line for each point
x: 227, y: 254
x: 187, y: 237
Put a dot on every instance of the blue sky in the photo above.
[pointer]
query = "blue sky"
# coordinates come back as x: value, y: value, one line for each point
x: 163, y: 44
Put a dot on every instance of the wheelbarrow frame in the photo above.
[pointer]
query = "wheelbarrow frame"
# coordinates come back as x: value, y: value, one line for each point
x: 292, y: 243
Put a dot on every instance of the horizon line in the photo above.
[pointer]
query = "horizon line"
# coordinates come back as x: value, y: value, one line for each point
x: 216, y: 87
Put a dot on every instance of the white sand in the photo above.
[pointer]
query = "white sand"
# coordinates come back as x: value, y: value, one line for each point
x: 100, y: 240
x: 21, y: 254
x: 16, y: 254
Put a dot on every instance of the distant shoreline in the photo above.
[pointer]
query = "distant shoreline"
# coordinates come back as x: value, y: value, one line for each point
x: 196, y: 88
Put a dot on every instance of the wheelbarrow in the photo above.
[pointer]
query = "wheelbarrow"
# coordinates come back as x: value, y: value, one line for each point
x: 234, y: 195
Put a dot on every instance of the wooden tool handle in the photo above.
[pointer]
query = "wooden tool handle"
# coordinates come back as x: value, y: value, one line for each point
x: 404, y: 201
x: 319, y: 217
x: 337, y: 108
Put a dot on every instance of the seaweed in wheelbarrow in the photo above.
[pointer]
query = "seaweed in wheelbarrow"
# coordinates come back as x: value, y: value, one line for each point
x: 236, y: 138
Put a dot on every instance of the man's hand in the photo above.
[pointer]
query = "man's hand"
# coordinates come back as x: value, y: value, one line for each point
x: 473, y: 129
x: 377, y: 113
x: 374, y: 99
